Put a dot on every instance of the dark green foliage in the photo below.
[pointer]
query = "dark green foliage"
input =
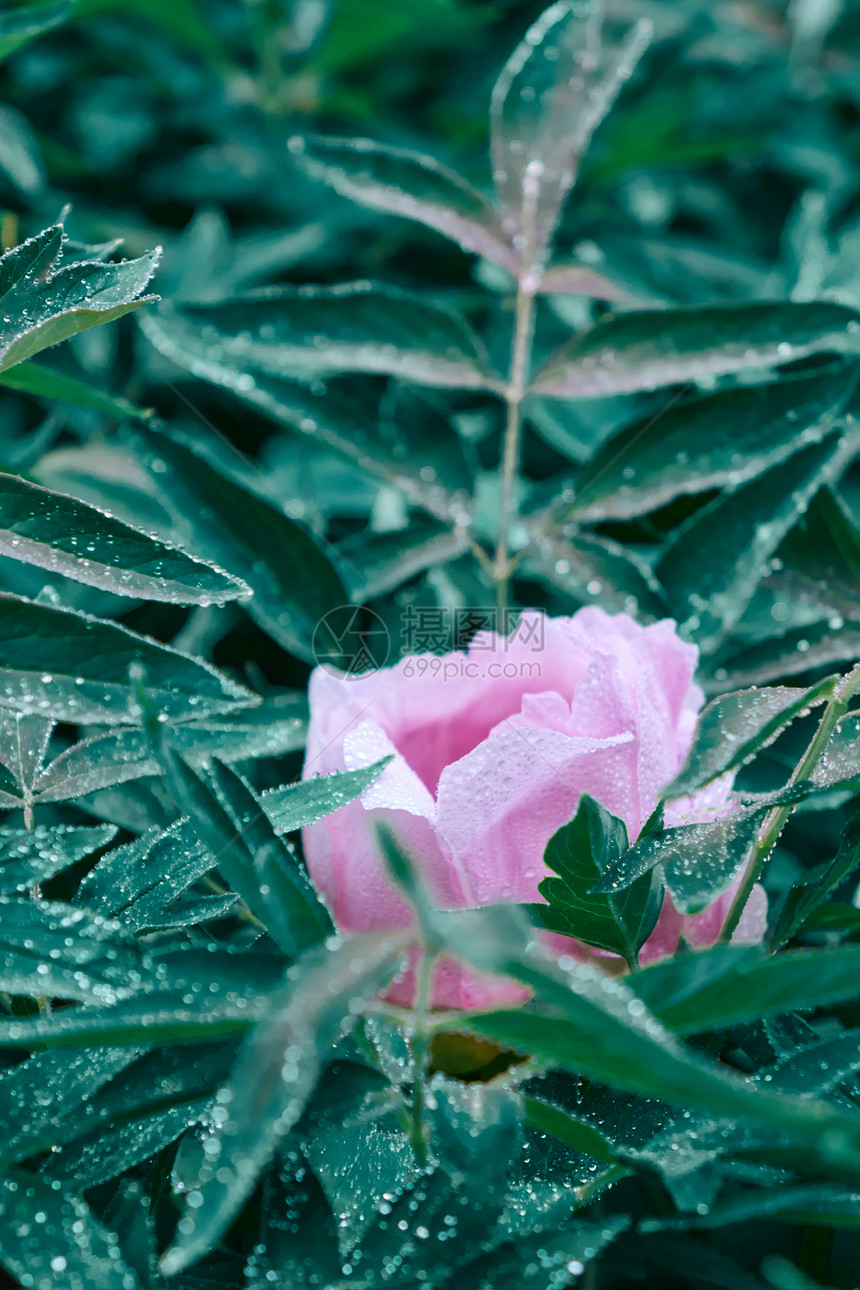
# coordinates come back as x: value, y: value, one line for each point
x: 297, y: 438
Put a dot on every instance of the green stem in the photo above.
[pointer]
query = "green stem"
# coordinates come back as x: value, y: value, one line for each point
x: 775, y: 821
x: 528, y: 283
x: 420, y: 1051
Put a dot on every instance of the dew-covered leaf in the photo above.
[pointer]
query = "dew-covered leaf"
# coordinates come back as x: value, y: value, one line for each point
x: 139, y: 881
x: 275, y: 727
x: 42, y: 304
x: 840, y: 760
x: 552, y: 94
x: 24, y: 742
x: 157, y: 1098
x: 477, y: 1135
x: 546, y: 1260
x: 806, y: 897
x: 714, y: 561
x: 375, y: 563
x: 194, y: 995
x: 573, y: 1131
x: 461, y: 1196
x: 596, y: 1026
x: 290, y: 901
x: 31, y: 856
x: 50, y: 948
x: 45, y: 1091
x: 47, y: 383
x: 105, y: 1154
x: 359, y: 1154
x: 708, y: 442
x: 411, y: 184
x: 305, y: 333
x: 816, y: 1069
x: 65, y: 536
x: 46, y: 1234
x: 295, y: 806
x: 579, y: 854
x: 145, y: 1019
x: 729, y: 985
x: 294, y: 582
x: 19, y: 26
x: 593, y: 567
x: 805, y: 1205
x: 276, y: 1071
x: 257, y: 864
x: 796, y: 652
x: 73, y: 667
x: 643, y: 351
x: 327, y: 420
x: 698, y: 861
x: 734, y: 727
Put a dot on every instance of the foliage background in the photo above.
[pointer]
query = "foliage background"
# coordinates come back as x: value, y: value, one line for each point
x: 725, y: 176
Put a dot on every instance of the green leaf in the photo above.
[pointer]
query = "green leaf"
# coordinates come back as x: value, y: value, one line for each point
x: 50, y: 948
x: 309, y: 332
x: 47, y: 383
x: 42, y: 308
x: 294, y: 806
x: 809, y: 895
x: 642, y: 351
x: 721, y: 439
x: 729, y: 985
x: 31, y: 856
x: 553, y: 92
x: 734, y: 727
x: 116, y: 756
x: 328, y: 421
x: 45, y: 1091
x: 139, y: 881
x: 579, y: 853
x: 816, y: 1069
x: 193, y: 995
x: 840, y: 761
x: 72, y: 667
x: 376, y: 563
x: 598, y: 1027
x: 145, y: 1019
x: 534, y: 1259
x: 291, y: 901
x: 803, y: 1205
x: 410, y: 184
x: 62, y: 535
x: 255, y: 862
x: 576, y: 1133
x: 477, y: 1135
x: 46, y: 1234
x: 588, y: 566
x: 20, y: 155
x: 275, y: 1074
x: 714, y: 561
x: 19, y: 26
x: 293, y: 581
x: 699, y: 861
x: 356, y: 1146
x: 130, y: 1118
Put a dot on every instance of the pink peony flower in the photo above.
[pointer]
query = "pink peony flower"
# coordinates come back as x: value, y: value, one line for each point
x: 492, y: 750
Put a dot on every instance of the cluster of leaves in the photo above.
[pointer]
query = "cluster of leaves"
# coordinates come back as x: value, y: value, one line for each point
x: 199, y: 1081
